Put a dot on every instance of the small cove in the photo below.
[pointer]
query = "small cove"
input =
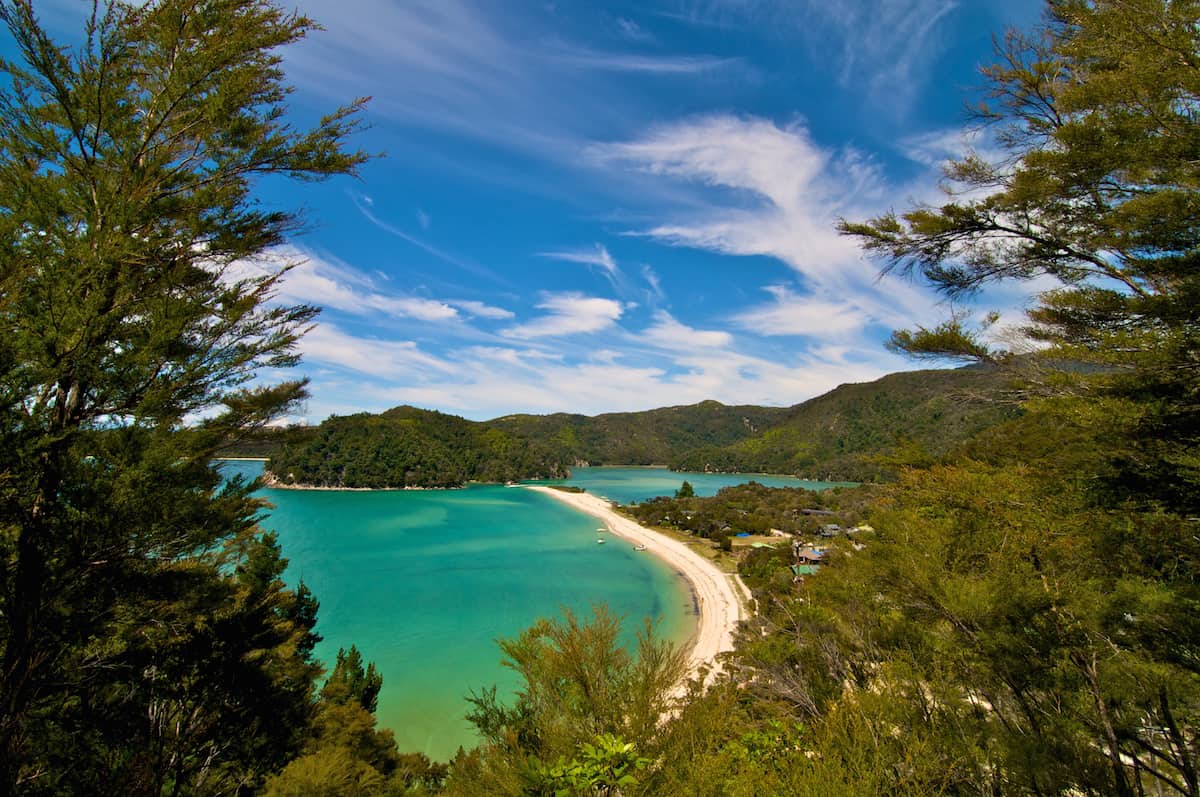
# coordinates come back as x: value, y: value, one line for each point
x: 424, y: 582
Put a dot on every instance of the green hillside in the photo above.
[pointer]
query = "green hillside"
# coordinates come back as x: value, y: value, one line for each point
x: 642, y: 438
x: 855, y: 432
x: 408, y: 447
x: 860, y: 431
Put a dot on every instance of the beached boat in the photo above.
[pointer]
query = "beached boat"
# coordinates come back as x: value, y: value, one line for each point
x: 639, y: 547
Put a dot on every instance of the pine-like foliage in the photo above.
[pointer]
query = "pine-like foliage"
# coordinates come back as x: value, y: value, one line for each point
x: 147, y: 644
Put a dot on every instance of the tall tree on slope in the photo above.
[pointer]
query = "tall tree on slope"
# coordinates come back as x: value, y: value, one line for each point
x: 127, y: 169
x: 1098, y: 187
x: 1087, y: 636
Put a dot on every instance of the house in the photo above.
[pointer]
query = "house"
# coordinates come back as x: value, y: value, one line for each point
x: 830, y: 530
x: 808, y: 556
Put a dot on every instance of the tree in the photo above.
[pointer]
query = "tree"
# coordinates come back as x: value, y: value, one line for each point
x: 1041, y: 605
x: 606, y: 768
x: 588, y: 707
x: 127, y: 170
x: 345, y: 754
x: 685, y: 490
x: 350, y: 682
x: 1099, y: 188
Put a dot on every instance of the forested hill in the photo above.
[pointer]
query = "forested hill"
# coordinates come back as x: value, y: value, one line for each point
x: 859, y: 432
x: 642, y: 438
x: 408, y: 447
x: 854, y: 432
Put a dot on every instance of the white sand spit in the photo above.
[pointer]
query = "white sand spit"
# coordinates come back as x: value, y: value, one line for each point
x: 717, y: 593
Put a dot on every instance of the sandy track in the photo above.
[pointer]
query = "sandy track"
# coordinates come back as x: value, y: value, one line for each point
x: 717, y: 594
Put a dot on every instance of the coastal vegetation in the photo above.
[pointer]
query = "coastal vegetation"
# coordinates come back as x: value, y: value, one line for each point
x: 752, y: 508
x: 1021, y: 620
x: 407, y: 447
x: 585, y: 718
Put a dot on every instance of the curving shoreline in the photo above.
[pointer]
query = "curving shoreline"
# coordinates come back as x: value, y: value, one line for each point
x: 717, y: 594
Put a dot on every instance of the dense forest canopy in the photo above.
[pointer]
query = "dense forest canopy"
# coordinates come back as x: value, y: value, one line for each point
x: 653, y: 437
x: 408, y: 447
x: 866, y: 432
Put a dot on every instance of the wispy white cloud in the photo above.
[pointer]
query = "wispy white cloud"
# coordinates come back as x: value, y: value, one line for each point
x: 791, y: 314
x: 669, y: 333
x: 479, y: 309
x: 388, y: 359
x: 788, y: 191
x: 884, y: 49
x: 633, y: 31
x: 327, y: 282
x: 934, y: 148
x: 463, y: 263
x: 568, y: 314
x: 598, y: 256
x: 488, y: 381
x: 889, y: 44
x: 766, y: 189
x: 502, y: 355
x: 639, y: 62
x: 481, y: 71
x: 656, y: 290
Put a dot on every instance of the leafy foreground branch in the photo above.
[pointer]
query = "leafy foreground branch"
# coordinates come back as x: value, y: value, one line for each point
x: 147, y: 643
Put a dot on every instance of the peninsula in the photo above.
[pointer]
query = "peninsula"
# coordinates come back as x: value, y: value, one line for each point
x: 719, y: 596
x: 405, y: 448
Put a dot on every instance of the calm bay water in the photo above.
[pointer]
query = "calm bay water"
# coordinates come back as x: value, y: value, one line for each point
x: 626, y: 485
x: 424, y: 582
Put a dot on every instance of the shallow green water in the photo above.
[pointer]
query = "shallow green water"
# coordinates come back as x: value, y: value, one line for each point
x: 424, y: 582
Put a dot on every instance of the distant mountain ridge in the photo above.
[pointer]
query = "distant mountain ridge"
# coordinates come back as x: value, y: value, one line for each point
x: 858, y: 432
x: 650, y: 437
x: 864, y: 431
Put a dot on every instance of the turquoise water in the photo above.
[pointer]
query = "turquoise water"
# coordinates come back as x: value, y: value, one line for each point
x: 626, y: 485
x: 424, y: 582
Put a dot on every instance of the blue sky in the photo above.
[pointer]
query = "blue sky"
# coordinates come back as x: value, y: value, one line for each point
x: 609, y: 206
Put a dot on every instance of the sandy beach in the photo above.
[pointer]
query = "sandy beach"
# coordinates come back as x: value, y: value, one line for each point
x: 717, y: 594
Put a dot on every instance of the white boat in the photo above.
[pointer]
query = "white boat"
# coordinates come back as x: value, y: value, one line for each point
x: 639, y: 547
x: 600, y: 541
